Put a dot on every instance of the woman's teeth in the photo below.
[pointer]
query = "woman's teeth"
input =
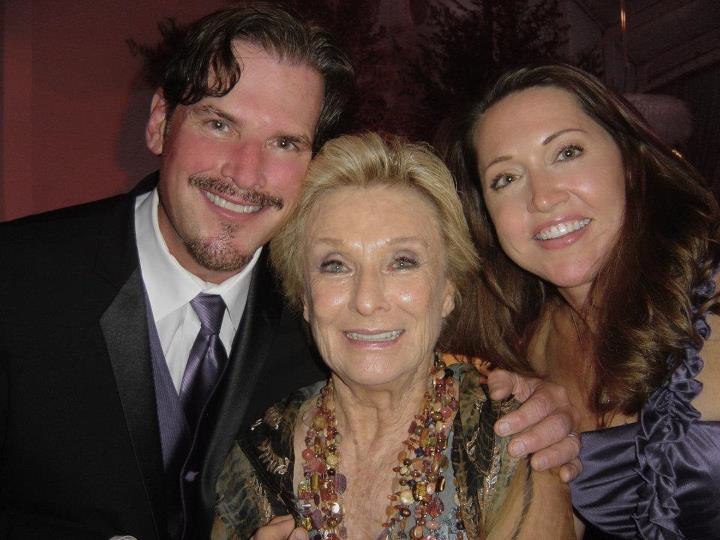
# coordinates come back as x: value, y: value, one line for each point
x: 561, y: 229
x: 381, y: 336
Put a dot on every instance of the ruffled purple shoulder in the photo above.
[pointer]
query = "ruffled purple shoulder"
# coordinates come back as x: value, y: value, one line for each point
x: 664, y: 421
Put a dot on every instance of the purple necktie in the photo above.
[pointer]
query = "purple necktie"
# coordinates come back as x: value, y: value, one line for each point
x: 207, y: 357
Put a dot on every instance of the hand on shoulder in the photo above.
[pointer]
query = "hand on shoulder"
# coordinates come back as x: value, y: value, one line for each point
x: 545, y: 425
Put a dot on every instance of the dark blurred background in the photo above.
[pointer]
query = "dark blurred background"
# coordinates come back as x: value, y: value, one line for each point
x: 74, y: 102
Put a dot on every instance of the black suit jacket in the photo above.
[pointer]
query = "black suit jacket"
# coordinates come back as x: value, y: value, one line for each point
x: 80, y: 449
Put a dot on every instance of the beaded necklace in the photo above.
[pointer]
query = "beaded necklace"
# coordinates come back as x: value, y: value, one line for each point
x: 420, y: 474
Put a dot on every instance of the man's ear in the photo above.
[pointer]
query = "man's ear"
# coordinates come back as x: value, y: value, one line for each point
x: 155, y: 129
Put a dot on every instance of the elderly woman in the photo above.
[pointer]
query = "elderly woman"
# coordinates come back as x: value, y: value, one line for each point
x: 600, y: 250
x: 395, y: 444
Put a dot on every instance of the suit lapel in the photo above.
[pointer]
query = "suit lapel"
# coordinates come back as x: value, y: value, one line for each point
x: 125, y: 330
x: 253, y: 359
x: 248, y: 360
x: 250, y: 352
x: 124, y: 327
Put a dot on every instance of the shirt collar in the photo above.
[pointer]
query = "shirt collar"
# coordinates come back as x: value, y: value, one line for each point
x: 168, y: 284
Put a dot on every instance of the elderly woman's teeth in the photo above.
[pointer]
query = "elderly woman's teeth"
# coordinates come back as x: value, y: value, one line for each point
x: 381, y: 336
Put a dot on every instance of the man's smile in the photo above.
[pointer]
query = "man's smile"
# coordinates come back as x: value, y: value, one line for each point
x: 228, y: 196
x: 224, y: 203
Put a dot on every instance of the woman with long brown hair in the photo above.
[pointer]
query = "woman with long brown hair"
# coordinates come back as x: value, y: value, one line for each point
x: 599, y: 257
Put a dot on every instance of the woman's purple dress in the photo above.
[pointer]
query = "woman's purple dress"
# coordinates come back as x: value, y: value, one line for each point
x: 658, y: 478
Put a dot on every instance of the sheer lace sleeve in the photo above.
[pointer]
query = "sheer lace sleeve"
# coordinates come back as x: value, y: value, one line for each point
x: 500, y: 496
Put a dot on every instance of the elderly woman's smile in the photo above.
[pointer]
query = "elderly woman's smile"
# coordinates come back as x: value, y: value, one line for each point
x: 377, y: 288
x: 379, y: 337
x: 374, y: 254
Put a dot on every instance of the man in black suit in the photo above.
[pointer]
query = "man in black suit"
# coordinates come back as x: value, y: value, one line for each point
x: 88, y: 293
x: 97, y: 319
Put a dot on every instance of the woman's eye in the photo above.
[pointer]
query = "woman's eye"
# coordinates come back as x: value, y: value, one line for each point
x: 502, y: 180
x: 332, y: 267
x: 569, y: 152
x: 404, y: 263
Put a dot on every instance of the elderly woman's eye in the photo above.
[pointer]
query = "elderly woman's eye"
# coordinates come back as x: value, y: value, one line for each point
x: 332, y: 267
x: 404, y: 263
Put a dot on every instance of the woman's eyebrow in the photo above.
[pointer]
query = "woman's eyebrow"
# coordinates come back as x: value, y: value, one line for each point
x: 555, y: 135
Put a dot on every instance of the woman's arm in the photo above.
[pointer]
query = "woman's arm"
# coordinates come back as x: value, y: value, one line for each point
x: 501, y: 496
x: 536, y: 505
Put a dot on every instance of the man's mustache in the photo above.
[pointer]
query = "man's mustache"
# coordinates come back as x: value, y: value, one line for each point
x: 225, y: 187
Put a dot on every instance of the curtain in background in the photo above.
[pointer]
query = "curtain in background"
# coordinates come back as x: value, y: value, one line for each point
x: 701, y: 91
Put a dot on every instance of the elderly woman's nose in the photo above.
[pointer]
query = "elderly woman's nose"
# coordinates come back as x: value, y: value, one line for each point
x: 369, y: 292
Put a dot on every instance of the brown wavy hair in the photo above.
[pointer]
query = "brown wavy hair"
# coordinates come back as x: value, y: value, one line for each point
x: 646, y: 292
x: 198, y: 60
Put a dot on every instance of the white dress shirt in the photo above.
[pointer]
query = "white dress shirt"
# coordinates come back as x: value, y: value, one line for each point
x: 170, y: 288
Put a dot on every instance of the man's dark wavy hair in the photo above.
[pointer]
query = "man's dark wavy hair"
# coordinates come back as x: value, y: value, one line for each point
x: 197, y: 61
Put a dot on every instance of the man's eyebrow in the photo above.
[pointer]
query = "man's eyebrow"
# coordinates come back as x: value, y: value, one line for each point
x: 210, y: 110
x: 299, y: 138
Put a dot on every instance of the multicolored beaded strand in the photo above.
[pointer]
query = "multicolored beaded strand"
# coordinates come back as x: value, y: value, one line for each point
x: 421, y: 473
x: 419, y: 476
x: 320, y: 492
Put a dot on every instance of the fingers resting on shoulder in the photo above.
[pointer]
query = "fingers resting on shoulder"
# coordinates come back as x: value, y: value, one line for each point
x: 545, y: 425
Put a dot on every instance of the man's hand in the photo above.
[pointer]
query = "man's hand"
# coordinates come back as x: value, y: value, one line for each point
x: 546, y: 423
x: 280, y: 528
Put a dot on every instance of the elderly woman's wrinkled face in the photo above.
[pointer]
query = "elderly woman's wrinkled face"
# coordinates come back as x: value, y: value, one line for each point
x: 376, y: 285
x: 553, y: 182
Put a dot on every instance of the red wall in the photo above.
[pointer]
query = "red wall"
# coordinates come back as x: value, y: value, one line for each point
x: 73, y: 112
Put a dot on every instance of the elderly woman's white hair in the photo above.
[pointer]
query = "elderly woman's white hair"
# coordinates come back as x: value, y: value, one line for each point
x: 366, y: 160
